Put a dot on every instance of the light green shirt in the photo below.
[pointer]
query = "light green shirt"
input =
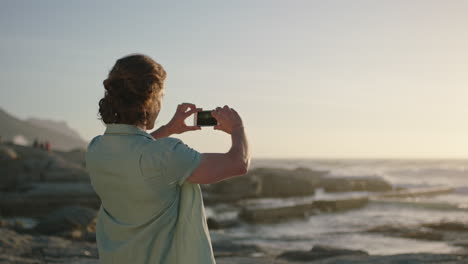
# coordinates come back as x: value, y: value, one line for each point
x: 149, y: 213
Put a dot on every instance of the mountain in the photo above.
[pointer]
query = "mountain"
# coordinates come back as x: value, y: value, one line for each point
x: 57, y: 126
x: 58, y: 133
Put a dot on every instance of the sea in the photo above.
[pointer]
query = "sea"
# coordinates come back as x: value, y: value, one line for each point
x: 348, y: 229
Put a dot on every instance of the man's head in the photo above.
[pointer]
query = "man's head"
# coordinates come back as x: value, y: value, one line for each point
x: 133, y: 91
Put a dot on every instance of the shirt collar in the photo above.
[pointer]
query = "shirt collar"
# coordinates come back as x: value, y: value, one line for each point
x: 125, y: 129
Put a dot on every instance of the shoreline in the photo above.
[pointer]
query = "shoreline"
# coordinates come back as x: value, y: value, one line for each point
x: 39, y: 249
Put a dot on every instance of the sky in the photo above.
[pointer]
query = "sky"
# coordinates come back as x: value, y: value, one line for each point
x: 310, y: 79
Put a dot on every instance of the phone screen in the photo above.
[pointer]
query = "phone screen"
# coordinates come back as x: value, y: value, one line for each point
x: 204, y: 118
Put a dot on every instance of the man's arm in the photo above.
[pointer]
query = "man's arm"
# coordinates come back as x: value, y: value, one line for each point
x: 161, y: 132
x: 177, y: 124
x: 215, y: 167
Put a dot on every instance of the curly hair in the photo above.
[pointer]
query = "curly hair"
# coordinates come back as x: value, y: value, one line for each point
x: 131, y: 90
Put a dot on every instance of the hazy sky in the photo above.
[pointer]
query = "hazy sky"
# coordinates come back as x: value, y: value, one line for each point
x: 310, y: 78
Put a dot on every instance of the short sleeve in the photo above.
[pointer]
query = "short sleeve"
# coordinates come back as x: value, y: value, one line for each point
x: 182, y: 160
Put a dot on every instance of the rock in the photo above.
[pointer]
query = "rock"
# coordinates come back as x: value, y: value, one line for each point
x: 415, y: 232
x: 7, y: 153
x: 448, y: 226
x: 264, y: 214
x: 265, y: 182
x: 41, y: 249
x: 25, y: 248
x: 340, y: 204
x: 228, y: 248
x: 44, y: 198
x: 40, y: 166
x: 66, y: 220
x: 214, y: 224
x: 351, y: 184
x: 414, y: 258
x: 77, y: 156
x: 320, y: 252
x: 231, y: 190
x: 287, y: 183
x: 414, y: 193
x: 461, y: 243
x: 12, y: 176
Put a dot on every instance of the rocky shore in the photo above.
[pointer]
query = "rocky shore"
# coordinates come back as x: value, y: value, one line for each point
x: 38, y: 249
x: 53, y: 191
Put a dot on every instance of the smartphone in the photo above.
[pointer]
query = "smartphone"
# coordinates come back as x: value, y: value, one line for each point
x: 204, y: 118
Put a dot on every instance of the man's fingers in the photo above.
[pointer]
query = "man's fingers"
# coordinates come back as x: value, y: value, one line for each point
x: 193, y: 127
x: 192, y: 111
x: 184, y: 106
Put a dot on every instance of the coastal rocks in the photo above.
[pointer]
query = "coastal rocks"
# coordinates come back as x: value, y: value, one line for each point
x: 43, y: 198
x: 25, y: 248
x: 37, y: 182
x: 77, y: 156
x: 284, y: 183
x: 231, y: 190
x: 7, y: 153
x: 225, y: 248
x: 41, y: 249
x: 264, y: 182
x: 42, y: 166
x: 261, y: 214
x: 352, y: 184
x: 68, y: 221
x: 454, y: 233
x: 414, y: 258
x: 448, y: 226
x: 433, y: 191
x: 320, y: 252
x: 214, y: 224
x: 408, y: 232
x: 276, y: 182
x: 12, y: 175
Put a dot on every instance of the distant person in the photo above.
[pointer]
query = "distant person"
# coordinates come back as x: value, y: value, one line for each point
x: 41, y: 145
x: 47, y: 146
x: 35, y: 143
x: 151, y: 202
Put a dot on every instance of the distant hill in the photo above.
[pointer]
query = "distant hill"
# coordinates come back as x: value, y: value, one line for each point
x: 59, y: 134
x: 58, y: 126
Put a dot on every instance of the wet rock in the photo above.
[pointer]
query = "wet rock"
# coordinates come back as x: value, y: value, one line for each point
x: 264, y: 182
x: 414, y: 232
x: 25, y: 248
x: 72, y: 220
x: 414, y: 258
x: 7, y: 153
x: 77, y: 156
x: 276, y: 182
x: 42, y: 166
x: 448, y: 226
x: 320, y: 252
x: 259, y: 214
x: 231, y: 190
x: 414, y: 193
x: 228, y: 248
x: 221, y: 224
x: 13, y: 176
x: 340, y: 204
x: 44, y: 198
x: 351, y: 184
